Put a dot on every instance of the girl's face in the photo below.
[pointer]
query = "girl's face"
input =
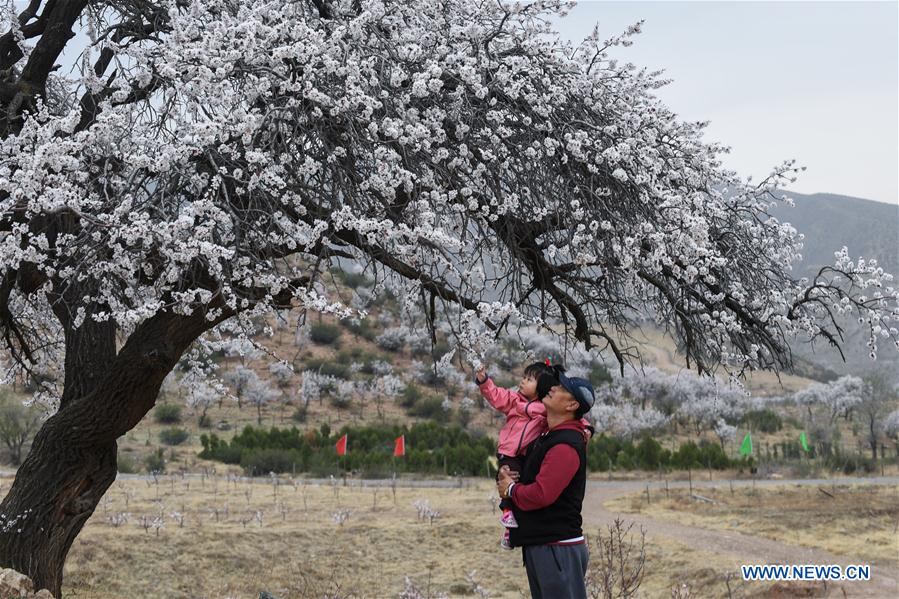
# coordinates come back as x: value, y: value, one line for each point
x: 528, y: 386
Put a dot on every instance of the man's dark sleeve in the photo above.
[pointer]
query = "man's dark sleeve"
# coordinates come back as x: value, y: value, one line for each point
x: 558, y: 468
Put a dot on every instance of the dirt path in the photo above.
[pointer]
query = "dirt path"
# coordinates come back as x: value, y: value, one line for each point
x: 744, y: 549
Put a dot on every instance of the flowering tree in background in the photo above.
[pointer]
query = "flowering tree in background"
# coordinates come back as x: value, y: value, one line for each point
x: 283, y: 376
x: 878, y: 393
x: 385, y: 386
x: 627, y: 420
x: 213, y: 156
x: 837, y: 397
x: 241, y: 378
x: 202, y: 395
x: 260, y: 393
x: 314, y: 384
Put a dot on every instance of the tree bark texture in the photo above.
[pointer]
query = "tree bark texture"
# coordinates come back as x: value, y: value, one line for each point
x: 72, y: 462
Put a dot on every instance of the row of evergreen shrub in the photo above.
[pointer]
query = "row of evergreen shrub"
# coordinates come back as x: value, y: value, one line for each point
x: 430, y: 449
x: 604, y: 452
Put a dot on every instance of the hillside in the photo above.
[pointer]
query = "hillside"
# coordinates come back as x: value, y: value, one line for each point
x: 869, y: 229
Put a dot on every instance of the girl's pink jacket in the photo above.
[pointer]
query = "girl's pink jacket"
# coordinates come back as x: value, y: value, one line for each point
x: 525, y: 419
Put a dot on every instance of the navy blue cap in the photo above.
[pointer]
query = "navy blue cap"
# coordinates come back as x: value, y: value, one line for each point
x: 581, y: 389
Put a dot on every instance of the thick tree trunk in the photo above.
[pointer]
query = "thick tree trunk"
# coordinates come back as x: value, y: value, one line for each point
x: 55, y: 492
x: 72, y: 461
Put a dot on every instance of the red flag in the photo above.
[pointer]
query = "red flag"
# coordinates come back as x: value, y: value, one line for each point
x: 341, y: 445
x: 399, y: 445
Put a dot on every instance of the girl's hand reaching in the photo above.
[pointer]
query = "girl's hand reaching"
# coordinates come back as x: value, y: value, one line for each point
x: 481, y: 375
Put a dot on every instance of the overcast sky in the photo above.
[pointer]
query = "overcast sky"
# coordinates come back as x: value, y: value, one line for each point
x: 814, y: 81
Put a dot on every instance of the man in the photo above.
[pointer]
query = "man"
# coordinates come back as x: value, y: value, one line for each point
x: 548, y: 494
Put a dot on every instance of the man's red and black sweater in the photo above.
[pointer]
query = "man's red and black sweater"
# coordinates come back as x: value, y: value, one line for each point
x: 550, y: 492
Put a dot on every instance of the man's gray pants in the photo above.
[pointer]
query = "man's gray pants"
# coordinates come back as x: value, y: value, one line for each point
x: 556, y: 571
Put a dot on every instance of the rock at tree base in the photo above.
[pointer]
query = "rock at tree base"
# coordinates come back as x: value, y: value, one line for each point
x: 16, y: 585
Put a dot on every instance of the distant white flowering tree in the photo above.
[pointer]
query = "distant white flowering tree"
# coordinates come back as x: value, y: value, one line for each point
x: 386, y: 386
x: 203, y: 394
x: 393, y: 339
x: 724, y: 431
x: 878, y: 394
x: 241, y: 378
x: 837, y: 397
x: 260, y: 393
x: 314, y: 385
x: 627, y: 420
x: 213, y: 156
x: 283, y: 375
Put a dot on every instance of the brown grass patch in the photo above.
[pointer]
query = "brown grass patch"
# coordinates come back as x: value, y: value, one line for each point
x: 858, y: 521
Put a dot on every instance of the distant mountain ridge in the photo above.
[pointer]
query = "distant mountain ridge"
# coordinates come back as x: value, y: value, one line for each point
x: 869, y: 230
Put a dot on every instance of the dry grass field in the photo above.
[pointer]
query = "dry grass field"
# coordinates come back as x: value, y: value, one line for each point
x: 239, y: 537
x: 859, y: 521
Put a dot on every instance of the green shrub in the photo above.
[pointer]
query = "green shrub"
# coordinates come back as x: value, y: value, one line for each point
x: 604, y: 451
x: 765, y: 421
x: 361, y: 327
x: 300, y: 414
x: 352, y: 279
x: 324, y: 333
x: 649, y: 454
x: 599, y: 374
x: 204, y: 421
x: 428, y: 407
x: 125, y: 464
x: 262, y: 461
x: 410, y: 396
x: 173, y: 436
x: 852, y: 464
x: 155, y: 462
x: 431, y: 448
x: 216, y: 449
x: 167, y: 413
x: 341, y: 403
x: 330, y: 367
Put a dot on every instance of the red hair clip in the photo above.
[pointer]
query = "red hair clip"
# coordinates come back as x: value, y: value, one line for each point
x: 547, y: 362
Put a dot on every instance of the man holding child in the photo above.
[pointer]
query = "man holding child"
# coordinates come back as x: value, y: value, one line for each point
x: 548, y: 493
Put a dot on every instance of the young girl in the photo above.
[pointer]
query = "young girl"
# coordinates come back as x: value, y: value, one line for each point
x: 525, y: 421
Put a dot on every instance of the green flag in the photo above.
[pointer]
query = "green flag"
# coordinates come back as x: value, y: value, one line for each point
x: 746, y: 447
x: 804, y: 441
